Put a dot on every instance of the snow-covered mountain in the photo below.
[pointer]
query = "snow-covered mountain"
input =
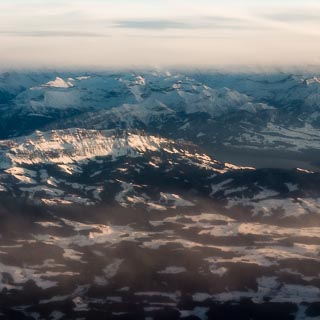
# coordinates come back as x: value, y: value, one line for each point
x: 105, y: 209
x: 113, y: 204
x: 237, y: 113
x: 67, y: 96
x: 40, y: 165
x: 78, y: 166
x: 296, y: 95
x: 76, y: 145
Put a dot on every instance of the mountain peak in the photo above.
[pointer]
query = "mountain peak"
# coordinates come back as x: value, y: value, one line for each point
x: 74, y: 145
x: 59, y: 83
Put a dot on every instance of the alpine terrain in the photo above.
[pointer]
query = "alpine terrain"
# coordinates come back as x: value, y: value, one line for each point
x: 159, y: 195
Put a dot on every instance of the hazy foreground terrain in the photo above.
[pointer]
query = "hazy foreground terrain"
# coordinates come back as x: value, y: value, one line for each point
x: 159, y: 195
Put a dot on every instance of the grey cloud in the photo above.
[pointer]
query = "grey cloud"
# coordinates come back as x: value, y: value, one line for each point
x: 294, y: 16
x: 150, y: 24
x: 52, y: 34
x: 213, y: 22
x: 222, y: 19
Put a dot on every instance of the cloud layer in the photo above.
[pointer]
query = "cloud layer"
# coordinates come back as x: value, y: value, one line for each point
x: 113, y: 33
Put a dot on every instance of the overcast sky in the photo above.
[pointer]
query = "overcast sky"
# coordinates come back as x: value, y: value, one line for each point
x: 137, y: 33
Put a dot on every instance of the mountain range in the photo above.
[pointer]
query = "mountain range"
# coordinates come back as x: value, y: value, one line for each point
x: 159, y: 195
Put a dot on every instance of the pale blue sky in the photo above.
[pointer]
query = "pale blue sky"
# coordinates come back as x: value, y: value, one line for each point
x: 116, y: 33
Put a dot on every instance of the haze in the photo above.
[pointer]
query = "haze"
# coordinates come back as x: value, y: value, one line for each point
x: 113, y: 33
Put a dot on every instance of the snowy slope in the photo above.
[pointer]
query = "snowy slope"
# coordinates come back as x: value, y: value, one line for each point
x: 295, y: 94
x: 141, y: 221
x: 277, y: 112
x: 76, y: 145
x: 71, y: 94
